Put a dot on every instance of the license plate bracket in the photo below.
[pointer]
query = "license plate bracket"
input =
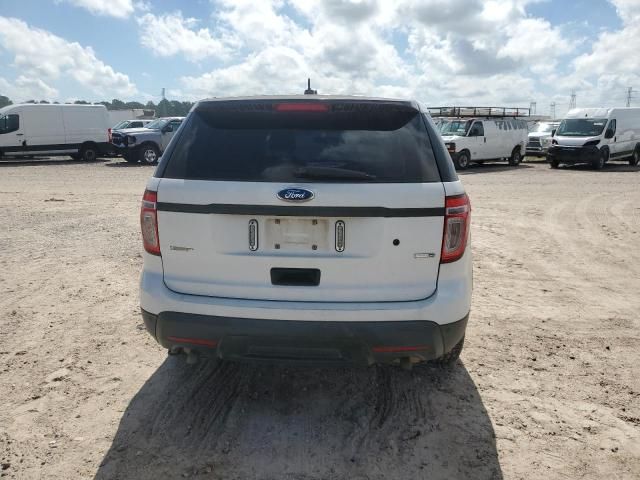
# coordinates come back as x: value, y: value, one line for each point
x: 298, y: 234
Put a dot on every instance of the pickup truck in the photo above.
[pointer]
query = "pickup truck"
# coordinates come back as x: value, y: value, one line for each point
x: 145, y: 144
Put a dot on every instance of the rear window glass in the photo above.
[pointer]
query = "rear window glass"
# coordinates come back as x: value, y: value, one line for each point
x: 347, y: 143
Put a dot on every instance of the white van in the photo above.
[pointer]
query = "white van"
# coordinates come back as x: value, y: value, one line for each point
x: 595, y: 136
x: 81, y: 131
x: 482, y: 139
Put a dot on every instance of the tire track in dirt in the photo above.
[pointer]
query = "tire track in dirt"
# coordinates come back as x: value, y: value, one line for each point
x: 627, y: 212
x: 124, y: 411
x: 591, y: 258
x: 205, y: 397
x: 398, y: 415
x: 385, y: 400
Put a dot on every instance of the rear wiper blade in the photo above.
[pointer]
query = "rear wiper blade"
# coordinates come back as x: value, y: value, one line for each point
x: 329, y: 173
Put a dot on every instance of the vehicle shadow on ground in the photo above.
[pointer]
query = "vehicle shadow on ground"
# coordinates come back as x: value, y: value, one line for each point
x: 491, y: 168
x: 125, y: 164
x: 238, y: 421
x: 33, y: 162
x: 609, y: 167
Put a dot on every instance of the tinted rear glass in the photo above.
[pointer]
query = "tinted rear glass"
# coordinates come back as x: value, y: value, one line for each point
x: 238, y: 141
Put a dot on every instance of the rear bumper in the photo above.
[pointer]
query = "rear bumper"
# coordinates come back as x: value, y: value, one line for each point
x: 449, y: 303
x: 105, y: 148
x: 317, y: 342
x: 572, y: 155
x: 263, y: 329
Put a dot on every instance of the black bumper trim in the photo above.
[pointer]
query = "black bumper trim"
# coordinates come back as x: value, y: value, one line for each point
x: 573, y: 155
x: 150, y: 321
x: 296, y: 341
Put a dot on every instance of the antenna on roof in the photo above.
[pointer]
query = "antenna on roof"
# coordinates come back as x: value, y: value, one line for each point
x: 308, y: 91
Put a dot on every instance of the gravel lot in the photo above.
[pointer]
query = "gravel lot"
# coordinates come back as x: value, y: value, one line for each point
x: 548, y: 386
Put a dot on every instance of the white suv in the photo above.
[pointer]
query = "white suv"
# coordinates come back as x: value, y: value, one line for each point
x: 308, y: 229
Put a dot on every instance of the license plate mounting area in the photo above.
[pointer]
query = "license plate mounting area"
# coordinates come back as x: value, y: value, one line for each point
x: 298, y: 234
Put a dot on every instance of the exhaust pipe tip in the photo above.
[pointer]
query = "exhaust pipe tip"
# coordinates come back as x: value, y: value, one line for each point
x: 406, y: 364
x: 174, y: 351
x: 192, y: 356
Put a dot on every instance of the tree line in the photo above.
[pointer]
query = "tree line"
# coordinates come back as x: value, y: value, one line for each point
x: 164, y: 108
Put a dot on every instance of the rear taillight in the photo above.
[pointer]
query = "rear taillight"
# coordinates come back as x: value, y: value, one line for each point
x: 109, y: 134
x: 456, y: 227
x: 149, y: 223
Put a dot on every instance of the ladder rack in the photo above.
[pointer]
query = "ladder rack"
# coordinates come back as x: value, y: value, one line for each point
x: 494, y: 112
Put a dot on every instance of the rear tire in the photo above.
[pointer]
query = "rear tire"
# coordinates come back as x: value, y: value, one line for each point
x: 149, y: 154
x: 516, y: 157
x: 449, y: 358
x: 635, y: 157
x: 462, y: 160
x: 88, y: 153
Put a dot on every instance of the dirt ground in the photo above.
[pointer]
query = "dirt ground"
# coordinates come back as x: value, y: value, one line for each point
x: 548, y: 385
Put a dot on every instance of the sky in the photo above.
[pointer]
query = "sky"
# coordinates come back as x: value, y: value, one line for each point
x: 441, y: 52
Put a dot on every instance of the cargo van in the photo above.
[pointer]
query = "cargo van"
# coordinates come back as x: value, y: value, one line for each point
x: 80, y: 131
x: 481, y: 134
x: 595, y: 136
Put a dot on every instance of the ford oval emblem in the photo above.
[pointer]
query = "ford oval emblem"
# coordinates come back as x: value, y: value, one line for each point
x: 295, y: 195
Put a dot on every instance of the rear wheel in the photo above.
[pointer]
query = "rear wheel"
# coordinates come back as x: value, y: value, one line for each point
x: 635, y: 157
x: 149, y: 153
x: 450, y: 357
x: 88, y: 153
x: 462, y: 160
x: 516, y: 157
x: 598, y: 163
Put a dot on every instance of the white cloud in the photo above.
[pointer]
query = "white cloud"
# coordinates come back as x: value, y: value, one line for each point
x: 44, y: 57
x: 267, y: 72
x: 439, y: 51
x: 341, y: 49
x: 112, y: 8
x: 172, y: 34
x: 22, y: 89
x: 254, y: 26
x: 628, y: 10
x: 601, y: 76
x: 612, y: 52
x: 534, y: 39
x: 462, y: 50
